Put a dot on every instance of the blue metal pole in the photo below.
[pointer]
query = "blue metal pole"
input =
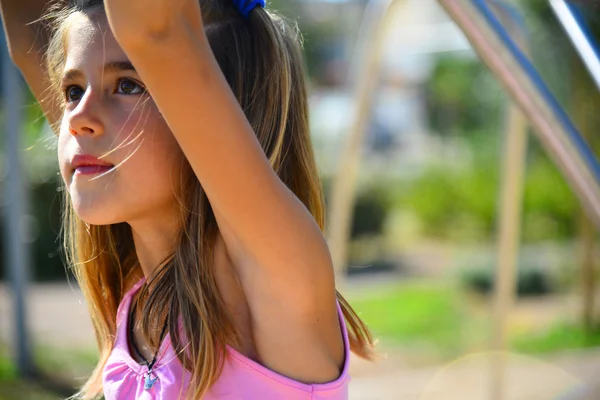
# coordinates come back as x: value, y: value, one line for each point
x: 17, y: 253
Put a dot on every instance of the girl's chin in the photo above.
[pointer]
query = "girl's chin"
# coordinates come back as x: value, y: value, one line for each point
x: 98, y: 221
x: 94, y: 216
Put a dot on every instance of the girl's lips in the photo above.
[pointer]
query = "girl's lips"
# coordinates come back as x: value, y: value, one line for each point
x: 91, y: 169
x: 87, y: 160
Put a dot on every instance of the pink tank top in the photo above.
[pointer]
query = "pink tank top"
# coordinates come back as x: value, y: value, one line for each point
x: 241, y: 379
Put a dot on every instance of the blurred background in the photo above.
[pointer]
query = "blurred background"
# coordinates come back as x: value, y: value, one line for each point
x: 411, y: 132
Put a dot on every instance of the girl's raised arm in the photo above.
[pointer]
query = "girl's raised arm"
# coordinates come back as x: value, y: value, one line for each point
x: 279, y: 251
x: 26, y: 42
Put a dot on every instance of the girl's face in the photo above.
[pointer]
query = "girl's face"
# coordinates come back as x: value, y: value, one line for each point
x: 108, y: 113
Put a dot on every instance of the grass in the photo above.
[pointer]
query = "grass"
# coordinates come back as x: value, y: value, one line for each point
x: 7, y: 370
x: 13, y: 389
x: 443, y: 321
x: 418, y: 315
x: 66, y: 364
x: 17, y: 390
x: 562, y: 336
x: 62, y: 366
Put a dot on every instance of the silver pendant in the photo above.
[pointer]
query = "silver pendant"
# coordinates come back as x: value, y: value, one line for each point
x: 149, y: 381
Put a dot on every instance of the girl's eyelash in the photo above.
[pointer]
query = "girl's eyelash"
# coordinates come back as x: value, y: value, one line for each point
x: 65, y: 91
x: 65, y: 87
x: 131, y: 80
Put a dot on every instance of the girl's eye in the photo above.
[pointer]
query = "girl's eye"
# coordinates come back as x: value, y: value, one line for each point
x: 73, y: 93
x: 128, y: 86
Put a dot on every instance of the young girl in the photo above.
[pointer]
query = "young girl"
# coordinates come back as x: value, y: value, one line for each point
x: 194, y: 212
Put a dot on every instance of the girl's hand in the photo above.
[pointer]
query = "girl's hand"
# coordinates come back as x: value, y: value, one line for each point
x: 137, y: 21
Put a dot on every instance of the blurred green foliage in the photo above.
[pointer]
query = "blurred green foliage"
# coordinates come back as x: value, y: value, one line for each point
x: 454, y: 204
x: 463, y: 97
x: 41, y: 168
x: 550, y: 207
x: 462, y: 204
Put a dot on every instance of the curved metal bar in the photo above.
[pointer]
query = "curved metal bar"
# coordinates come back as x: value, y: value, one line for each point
x: 531, y: 72
x: 551, y: 124
x: 573, y: 24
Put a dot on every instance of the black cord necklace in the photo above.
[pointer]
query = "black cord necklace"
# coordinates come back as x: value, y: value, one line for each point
x: 149, y: 379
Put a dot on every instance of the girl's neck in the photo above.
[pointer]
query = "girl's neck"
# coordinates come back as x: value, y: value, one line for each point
x: 154, y: 240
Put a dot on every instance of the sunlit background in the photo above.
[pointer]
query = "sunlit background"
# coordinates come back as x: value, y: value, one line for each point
x: 420, y: 253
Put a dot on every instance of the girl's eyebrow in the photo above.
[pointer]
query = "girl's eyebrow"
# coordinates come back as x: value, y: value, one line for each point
x: 110, y: 67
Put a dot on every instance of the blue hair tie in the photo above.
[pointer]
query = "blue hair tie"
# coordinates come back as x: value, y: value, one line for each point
x: 245, y: 6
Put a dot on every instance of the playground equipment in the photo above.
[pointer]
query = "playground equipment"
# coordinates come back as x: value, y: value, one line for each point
x: 484, y: 23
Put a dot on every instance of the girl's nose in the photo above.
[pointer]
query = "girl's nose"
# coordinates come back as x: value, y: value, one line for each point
x: 83, y: 130
x: 86, y: 118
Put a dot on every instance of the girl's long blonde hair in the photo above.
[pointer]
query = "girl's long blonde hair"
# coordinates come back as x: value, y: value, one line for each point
x: 262, y: 61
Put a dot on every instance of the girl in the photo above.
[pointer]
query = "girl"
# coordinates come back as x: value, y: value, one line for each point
x: 193, y: 207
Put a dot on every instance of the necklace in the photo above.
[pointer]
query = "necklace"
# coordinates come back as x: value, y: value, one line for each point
x: 150, y: 378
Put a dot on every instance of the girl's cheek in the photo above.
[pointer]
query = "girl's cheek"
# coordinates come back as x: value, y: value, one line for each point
x: 128, y: 121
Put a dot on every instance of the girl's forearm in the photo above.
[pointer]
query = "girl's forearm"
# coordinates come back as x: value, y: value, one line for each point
x: 155, y: 22
x: 23, y: 34
x: 26, y: 41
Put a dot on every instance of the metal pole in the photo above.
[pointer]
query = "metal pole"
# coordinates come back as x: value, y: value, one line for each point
x: 365, y: 71
x: 17, y: 254
x: 514, y: 158
x: 508, y: 242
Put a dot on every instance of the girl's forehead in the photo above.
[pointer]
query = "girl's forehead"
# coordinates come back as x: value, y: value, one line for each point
x: 88, y: 37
